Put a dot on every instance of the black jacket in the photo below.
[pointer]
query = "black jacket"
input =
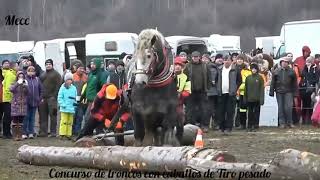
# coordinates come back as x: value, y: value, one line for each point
x: 309, y: 78
x: 283, y: 81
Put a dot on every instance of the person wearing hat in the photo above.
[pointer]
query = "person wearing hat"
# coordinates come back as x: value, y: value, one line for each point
x: 206, y: 58
x: 67, y: 100
x: 242, y: 67
x: 118, y: 77
x: 199, y: 76
x: 34, y: 98
x: 184, y: 57
x: 19, y: 104
x: 51, y: 81
x: 32, y: 62
x: 184, y: 91
x: 96, y: 80
x: 310, y: 77
x: 212, y: 93
x: 229, y: 80
x: 105, y: 106
x: 254, y: 96
x: 284, y: 83
x: 9, y: 77
x: 79, y: 79
x: 301, y: 61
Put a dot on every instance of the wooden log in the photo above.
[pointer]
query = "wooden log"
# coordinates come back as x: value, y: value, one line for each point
x: 301, y: 162
x: 224, y: 170
x: 189, y: 136
x: 157, y: 159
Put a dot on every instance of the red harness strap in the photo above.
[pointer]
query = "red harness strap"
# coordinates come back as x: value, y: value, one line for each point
x: 165, y: 77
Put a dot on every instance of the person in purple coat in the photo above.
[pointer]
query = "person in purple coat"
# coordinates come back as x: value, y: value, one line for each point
x: 19, y: 104
x: 34, y: 98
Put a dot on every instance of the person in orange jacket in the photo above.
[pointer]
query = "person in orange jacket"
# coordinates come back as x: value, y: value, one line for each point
x: 104, y: 108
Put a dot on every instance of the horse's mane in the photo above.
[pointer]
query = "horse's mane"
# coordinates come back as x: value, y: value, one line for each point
x: 145, y: 38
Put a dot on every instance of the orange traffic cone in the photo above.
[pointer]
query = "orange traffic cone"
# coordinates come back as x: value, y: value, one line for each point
x: 199, y: 141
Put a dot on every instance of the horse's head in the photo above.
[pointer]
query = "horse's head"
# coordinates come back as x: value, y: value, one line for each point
x: 148, y: 55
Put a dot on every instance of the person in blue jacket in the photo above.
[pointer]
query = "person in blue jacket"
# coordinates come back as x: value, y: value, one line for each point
x: 67, y: 102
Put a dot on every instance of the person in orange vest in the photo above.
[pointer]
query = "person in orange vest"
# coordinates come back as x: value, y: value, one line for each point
x: 104, y: 108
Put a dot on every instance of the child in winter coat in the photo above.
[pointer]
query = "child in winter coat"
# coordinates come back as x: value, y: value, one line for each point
x: 34, y: 98
x: 67, y: 101
x: 254, y: 96
x: 315, y: 118
x: 19, y: 105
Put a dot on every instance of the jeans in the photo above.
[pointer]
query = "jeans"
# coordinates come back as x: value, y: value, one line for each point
x: 285, y: 102
x: 29, y: 120
x: 78, y: 118
x: 6, y: 111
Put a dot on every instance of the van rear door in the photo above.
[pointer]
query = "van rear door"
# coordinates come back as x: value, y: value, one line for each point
x: 52, y: 51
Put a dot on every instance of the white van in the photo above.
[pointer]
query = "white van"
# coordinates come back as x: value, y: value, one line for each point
x: 109, y: 46
x: 294, y: 35
x: 61, y: 51
x: 269, y: 44
x: 13, y: 51
x: 187, y: 44
x: 224, y: 44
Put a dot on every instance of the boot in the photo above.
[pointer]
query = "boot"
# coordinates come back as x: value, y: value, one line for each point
x: 15, y: 131
x: 19, y: 131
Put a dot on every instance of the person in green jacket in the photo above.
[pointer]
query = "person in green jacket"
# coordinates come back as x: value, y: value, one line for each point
x: 254, y: 97
x: 96, y: 79
x: 9, y: 75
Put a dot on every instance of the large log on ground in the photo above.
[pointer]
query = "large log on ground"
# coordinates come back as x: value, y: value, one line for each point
x: 300, y: 162
x: 225, y: 170
x: 189, y: 136
x: 157, y: 159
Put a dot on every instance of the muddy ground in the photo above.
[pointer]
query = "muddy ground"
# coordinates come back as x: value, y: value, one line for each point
x: 261, y: 147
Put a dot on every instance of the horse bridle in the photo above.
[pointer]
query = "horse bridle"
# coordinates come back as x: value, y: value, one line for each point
x: 163, y: 78
x: 150, y: 70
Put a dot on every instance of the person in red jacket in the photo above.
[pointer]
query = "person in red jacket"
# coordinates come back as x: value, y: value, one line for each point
x: 105, y: 106
x: 301, y: 61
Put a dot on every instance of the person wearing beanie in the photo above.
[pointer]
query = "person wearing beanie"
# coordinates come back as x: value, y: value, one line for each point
x: 118, y: 77
x: 184, y: 91
x: 67, y: 101
x: 199, y: 76
x: 32, y: 62
x: 9, y: 78
x: 19, y: 104
x: 80, y: 78
x: 184, y: 57
x: 307, y: 86
x: 242, y: 67
x: 33, y: 101
x: 51, y: 81
x: 24, y: 64
x: 212, y: 92
x: 284, y: 83
x: 205, y: 58
x: 254, y: 96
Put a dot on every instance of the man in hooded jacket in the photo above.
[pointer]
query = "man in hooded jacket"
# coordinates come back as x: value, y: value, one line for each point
x: 96, y: 79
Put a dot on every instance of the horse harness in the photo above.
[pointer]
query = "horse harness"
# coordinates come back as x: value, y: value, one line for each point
x: 164, y: 78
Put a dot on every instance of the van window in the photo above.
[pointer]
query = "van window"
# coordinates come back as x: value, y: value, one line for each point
x: 111, y: 46
x: 281, y: 52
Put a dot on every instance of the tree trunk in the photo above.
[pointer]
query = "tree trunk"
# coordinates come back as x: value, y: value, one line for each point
x: 290, y: 164
x: 301, y: 162
x: 224, y: 170
x: 189, y: 136
x: 157, y: 159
